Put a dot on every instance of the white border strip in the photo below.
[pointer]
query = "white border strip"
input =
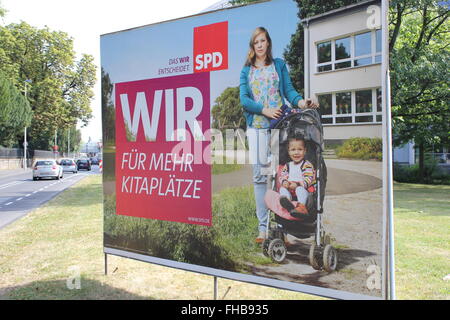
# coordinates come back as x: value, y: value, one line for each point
x: 388, y: 208
x: 303, y: 288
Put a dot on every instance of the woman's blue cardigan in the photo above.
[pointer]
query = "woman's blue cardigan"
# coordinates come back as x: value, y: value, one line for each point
x: 286, y: 89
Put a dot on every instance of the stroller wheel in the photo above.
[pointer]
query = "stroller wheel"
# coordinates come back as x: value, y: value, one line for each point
x: 314, y: 257
x: 277, y: 250
x: 329, y: 258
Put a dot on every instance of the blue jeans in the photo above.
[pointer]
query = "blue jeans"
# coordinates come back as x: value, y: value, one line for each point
x: 259, y: 151
x: 300, y: 192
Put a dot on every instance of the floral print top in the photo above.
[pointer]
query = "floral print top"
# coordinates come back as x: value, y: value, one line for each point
x: 264, y: 82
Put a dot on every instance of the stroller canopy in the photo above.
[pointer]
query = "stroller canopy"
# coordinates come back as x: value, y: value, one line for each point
x: 305, y: 123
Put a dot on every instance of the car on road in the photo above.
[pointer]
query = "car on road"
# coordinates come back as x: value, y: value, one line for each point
x: 84, y: 164
x: 68, y: 165
x: 47, y: 169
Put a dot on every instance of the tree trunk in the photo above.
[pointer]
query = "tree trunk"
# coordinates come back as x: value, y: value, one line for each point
x: 421, y: 162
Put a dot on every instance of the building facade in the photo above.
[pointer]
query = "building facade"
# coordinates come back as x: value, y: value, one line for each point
x: 343, y: 70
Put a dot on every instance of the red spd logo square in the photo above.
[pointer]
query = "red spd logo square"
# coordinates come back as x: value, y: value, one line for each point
x: 211, y: 47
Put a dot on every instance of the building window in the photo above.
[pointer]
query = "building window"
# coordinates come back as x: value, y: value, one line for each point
x: 326, y: 108
x: 324, y: 56
x: 344, y: 103
x: 378, y: 46
x: 352, y: 51
x: 363, y: 44
x: 379, y: 108
x: 363, y: 101
x: 342, y: 48
x: 351, y: 107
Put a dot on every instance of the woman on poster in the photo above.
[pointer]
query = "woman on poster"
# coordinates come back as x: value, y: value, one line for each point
x: 265, y: 84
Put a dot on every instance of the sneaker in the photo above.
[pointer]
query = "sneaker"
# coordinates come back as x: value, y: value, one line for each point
x: 299, y: 211
x: 261, y: 237
x: 286, y: 203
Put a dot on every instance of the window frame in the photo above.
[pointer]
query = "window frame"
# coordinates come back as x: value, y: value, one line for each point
x: 353, y: 114
x: 373, y: 52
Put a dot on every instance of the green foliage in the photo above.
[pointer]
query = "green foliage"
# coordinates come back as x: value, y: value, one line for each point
x: 108, y: 111
x: 419, y: 59
x: 236, y: 224
x: 361, y: 148
x: 2, y: 11
x: 221, y: 168
x: 419, y: 71
x: 180, y: 242
x: 433, y: 174
x: 15, y: 113
x: 226, y: 245
x: 73, y: 135
x: 227, y: 112
x: 61, y: 87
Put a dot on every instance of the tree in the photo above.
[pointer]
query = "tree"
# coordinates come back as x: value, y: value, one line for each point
x: 15, y: 113
x: 61, y: 87
x: 108, y: 110
x: 2, y: 11
x: 419, y: 59
x: 227, y: 112
x: 68, y: 135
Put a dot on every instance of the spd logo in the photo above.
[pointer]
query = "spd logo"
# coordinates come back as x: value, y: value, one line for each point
x: 211, y: 47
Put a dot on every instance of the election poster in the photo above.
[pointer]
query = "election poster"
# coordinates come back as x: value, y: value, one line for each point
x: 228, y: 141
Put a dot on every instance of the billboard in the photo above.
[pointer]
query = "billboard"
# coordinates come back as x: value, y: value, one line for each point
x: 217, y: 150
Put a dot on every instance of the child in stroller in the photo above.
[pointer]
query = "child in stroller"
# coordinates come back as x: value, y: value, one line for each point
x: 296, y: 191
x: 297, y: 178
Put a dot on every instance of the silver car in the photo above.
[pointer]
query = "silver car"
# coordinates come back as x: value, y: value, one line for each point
x: 68, y: 165
x: 47, y: 169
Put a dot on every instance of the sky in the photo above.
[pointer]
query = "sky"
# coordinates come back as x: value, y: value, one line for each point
x: 86, y: 20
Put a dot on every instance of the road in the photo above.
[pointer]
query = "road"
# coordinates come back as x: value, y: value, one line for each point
x: 19, y: 194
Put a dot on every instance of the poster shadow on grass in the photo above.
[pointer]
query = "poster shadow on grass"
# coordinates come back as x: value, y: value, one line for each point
x: 89, y: 289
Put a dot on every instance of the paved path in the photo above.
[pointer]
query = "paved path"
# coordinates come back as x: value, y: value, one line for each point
x: 344, y: 177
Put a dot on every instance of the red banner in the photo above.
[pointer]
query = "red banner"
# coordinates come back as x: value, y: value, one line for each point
x: 161, y: 172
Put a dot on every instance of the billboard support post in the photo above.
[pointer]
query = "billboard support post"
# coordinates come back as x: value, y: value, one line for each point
x: 106, y: 264
x: 390, y: 276
x: 390, y: 202
x: 216, y: 288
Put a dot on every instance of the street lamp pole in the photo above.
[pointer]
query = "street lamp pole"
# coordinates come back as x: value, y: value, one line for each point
x: 25, y: 143
x: 68, y: 144
x: 25, y: 149
x: 54, y: 149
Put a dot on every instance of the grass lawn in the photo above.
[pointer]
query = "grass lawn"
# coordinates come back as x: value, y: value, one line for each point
x: 45, y: 249
x: 40, y: 252
x: 422, y: 241
x: 225, y: 168
x: 224, y: 165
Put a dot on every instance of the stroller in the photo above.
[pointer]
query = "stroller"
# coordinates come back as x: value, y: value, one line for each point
x: 304, y: 124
